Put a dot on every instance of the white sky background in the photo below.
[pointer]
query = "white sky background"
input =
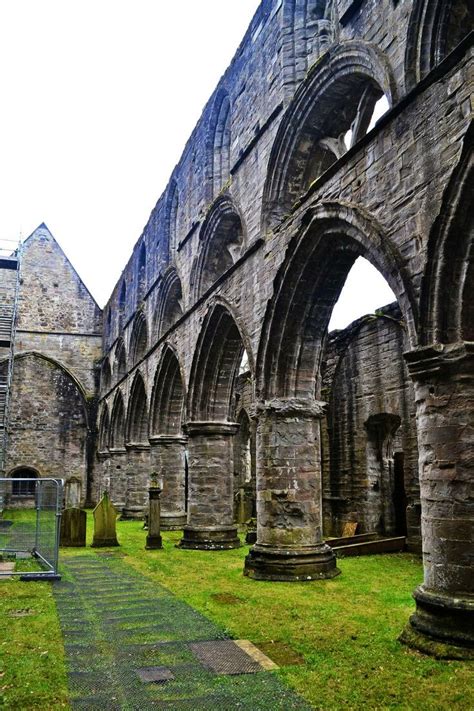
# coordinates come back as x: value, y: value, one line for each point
x: 98, y: 98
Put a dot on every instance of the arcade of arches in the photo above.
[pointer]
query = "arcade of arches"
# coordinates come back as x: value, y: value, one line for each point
x: 218, y: 375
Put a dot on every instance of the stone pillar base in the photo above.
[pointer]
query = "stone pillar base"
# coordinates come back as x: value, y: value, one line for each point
x: 297, y: 564
x: 132, y: 513
x: 211, y: 538
x: 172, y: 521
x: 442, y: 626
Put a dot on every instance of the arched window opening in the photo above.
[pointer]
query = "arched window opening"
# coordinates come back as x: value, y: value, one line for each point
x: 120, y: 366
x: 349, y: 119
x: 26, y: 487
x: 139, y: 339
x: 141, y: 273
x: 222, y: 236
x: 222, y: 142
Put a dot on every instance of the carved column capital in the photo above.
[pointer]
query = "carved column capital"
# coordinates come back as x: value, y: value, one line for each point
x: 210, y: 429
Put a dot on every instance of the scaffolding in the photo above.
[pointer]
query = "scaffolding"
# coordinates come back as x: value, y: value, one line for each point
x: 10, y: 253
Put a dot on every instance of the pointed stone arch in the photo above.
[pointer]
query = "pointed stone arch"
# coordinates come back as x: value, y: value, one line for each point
x: 220, y: 141
x: 117, y: 423
x: 168, y: 397
x: 171, y: 219
x: 170, y: 302
x: 104, y: 429
x: 137, y: 412
x: 120, y: 360
x: 435, y: 28
x: 216, y: 362
x: 138, y: 338
x: 447, y: 305
x: 221, y: 238
x: 105, y: 375
x: 338, y: 95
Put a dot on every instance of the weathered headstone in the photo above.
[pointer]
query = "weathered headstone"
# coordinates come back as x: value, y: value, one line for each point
x: 153, y: 539
x: 349, y: 528
x: 105, y: 516
x: 73, y: 528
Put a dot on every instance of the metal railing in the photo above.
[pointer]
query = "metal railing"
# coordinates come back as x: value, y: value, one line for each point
x: 30, y: 517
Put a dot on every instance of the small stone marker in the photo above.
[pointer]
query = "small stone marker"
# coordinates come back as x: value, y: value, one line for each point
x: 73, y: 528
x: 105, y: 516
x: 153, y: 539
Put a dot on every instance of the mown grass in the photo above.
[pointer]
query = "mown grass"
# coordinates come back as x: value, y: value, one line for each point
x: 345, y: 629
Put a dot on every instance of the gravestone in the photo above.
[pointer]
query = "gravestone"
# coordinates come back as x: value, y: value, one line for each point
x: 105, y: 516
x: 73, y: 528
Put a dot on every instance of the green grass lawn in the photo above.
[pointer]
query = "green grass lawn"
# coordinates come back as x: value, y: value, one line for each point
x: 344, y: 630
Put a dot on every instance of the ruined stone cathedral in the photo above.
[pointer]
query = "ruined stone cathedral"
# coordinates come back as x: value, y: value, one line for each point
x: 341, y: 129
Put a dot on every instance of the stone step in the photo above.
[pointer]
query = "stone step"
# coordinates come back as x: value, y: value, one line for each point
x: 381, y: 545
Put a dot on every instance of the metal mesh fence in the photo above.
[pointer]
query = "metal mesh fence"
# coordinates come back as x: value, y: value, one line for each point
x: 30, y: 513
x: 131, y: 644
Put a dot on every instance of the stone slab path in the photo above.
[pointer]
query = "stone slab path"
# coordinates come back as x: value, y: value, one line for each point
x: 132, y: 645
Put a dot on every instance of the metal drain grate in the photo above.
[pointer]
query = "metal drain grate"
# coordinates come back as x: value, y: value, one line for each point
x: 225, y: 657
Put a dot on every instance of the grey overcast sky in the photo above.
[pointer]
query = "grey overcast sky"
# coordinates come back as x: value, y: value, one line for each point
x: 98, y: 100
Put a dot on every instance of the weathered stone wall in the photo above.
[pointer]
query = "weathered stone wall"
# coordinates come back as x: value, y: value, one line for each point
x: 370, y: 474
x: 48, y: 422
x: 57, y: 354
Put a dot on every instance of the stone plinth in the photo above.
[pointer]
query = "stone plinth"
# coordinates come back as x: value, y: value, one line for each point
x: 105, y: 517
x: 153, y: 539
x: 167, y: 458
x: 210, y: 501
x: 443, y: 377
x: 138, y: 476
x: 73, y: 528
x: 289, y: 505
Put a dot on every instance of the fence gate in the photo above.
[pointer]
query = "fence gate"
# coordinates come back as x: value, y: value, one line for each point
x: 30, y: 517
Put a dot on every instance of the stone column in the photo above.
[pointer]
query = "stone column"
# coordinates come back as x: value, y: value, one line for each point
x: 443, y: 377
x: 167, y: 459
x: 138, y: 479
x: 289, y: 498
x: 210, y: 499
x: 118, y: 476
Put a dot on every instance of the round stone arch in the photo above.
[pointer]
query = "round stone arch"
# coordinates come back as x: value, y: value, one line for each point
x: 331, y: 237
x: 326, y: 103
x: 221, y: 239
